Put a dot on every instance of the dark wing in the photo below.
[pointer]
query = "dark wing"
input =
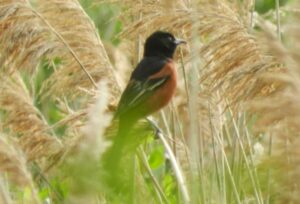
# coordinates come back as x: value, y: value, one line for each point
x: 137, y: 92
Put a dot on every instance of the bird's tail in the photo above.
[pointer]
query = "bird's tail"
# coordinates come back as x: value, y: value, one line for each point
x: 113, y: 160
x: 120, y: 142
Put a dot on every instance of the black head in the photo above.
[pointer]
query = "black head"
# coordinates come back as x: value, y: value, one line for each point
x: 161, y: 44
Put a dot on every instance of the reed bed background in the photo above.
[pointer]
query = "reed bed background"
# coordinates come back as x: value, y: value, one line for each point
x: 231, y: 134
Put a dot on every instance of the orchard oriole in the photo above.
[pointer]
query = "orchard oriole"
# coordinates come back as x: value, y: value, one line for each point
x: 151, y: 87
x: 153, y: 82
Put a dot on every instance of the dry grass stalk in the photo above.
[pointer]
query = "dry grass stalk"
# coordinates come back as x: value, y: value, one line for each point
x: 279, y: 113
x: 28, y: 35
x: 120, y: 58
x: 22, y: 119
x: 87, y: 137
x: 4, y: 193
x: 13, y: 163
x: 82, y: 49
x: 94, y: 141
x: 86, y: 146
x: 22, y: 37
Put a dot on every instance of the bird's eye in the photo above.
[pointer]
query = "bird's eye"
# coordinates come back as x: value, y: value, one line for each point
x: 170, y: 38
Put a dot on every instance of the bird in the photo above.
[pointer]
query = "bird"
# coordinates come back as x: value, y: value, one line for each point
x: 153, y: 82
x: 151, y: 86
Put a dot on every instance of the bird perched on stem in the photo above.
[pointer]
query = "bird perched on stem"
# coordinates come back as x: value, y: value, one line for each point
x: 151, y: 86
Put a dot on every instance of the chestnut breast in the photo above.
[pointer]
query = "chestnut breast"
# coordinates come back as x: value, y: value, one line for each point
x: 163, y: 95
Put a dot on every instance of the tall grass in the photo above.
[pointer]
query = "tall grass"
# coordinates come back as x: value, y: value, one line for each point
x: 229, y: 136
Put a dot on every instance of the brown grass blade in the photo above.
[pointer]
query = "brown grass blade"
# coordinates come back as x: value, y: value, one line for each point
x: 22, y: 37
x: 29, y: 35
x: 22, y: 119
x: 278, y: 114
x: 83, y: 53
x: 13, y: 163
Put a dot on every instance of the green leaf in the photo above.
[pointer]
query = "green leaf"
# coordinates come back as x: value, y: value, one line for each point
x: 263, y: 6
x: 156, y: 158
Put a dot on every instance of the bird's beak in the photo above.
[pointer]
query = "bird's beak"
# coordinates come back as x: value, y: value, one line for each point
x: 180, y: 41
